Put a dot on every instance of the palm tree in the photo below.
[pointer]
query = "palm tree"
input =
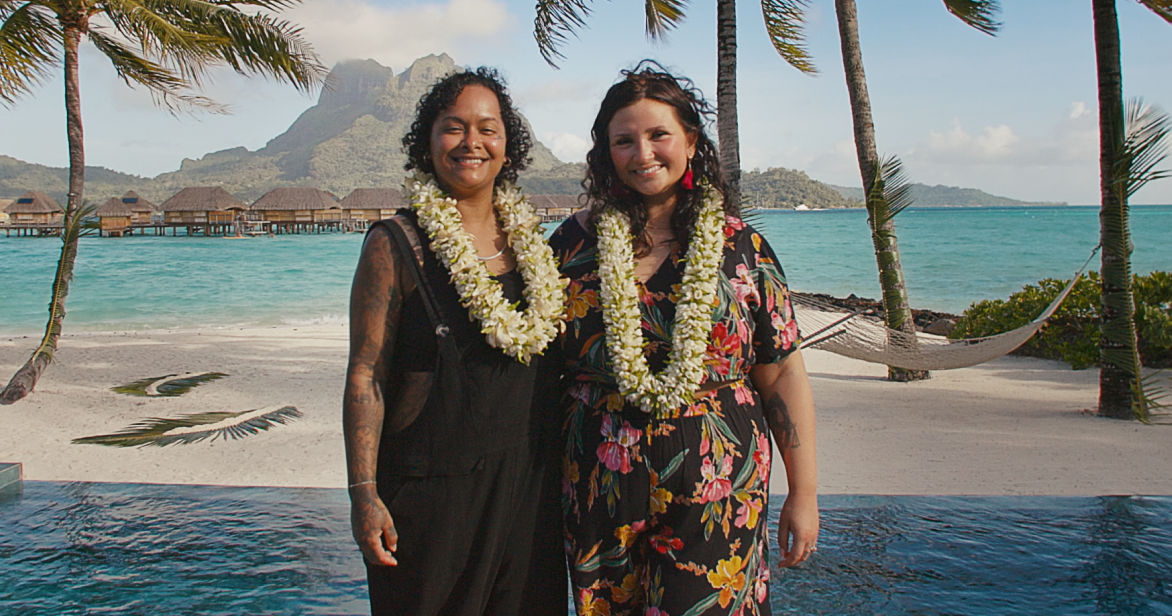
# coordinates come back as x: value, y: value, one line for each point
x: 1130, y: 145
x: 881, y: 217
x: 167, y: 46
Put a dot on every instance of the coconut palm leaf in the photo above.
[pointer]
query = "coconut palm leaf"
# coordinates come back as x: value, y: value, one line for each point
x: 891, y: 192
x: 165, y: 86
x: 28, y: 46
x: 160, y: 432
x: 167, y: 386
x: 979, y: 14
x: 785, y: 25
x: 662, y: 16
x: 1163, y: 8
x: 1145, y: 145
x: 555, y: 20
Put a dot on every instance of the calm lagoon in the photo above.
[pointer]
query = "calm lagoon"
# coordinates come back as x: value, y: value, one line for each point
x: 952, y: 257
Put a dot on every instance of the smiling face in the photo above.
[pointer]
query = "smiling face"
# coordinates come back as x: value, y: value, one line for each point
x: 650, y: 149
x: 467, y: 144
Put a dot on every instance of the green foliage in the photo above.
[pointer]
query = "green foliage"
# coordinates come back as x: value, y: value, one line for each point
x: 1072, y: 335
x: 788, y: 188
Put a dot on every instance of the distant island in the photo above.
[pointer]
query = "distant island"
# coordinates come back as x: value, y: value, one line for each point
x: 351, y: 139
x: 948, y: 196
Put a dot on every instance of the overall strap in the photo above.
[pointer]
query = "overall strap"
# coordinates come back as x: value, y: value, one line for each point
x: 407, y: 240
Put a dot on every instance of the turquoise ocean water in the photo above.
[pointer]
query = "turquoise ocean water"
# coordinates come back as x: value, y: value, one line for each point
x: 951, y: 256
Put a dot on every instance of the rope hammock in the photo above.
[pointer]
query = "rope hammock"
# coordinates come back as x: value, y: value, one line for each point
x: 864, y: 337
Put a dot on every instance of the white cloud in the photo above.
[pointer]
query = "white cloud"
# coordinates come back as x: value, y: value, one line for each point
x: 567, y: 146
x: 1073, y: 139
x: 397, y: 36
x: 992, y: 144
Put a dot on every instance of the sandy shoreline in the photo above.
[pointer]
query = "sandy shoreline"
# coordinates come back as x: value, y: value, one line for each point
x: 1014, y: 426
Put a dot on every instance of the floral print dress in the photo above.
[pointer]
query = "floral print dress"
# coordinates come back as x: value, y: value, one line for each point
x: 665, y: 512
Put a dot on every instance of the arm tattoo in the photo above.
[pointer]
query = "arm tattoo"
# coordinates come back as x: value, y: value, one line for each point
x: 784, y: 429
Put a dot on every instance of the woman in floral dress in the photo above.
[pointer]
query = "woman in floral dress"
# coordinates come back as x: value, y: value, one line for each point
x: 682, y: 352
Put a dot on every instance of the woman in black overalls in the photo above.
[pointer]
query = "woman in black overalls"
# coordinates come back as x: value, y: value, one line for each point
x: 446, y: 441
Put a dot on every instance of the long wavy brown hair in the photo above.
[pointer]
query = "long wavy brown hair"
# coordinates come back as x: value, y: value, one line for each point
x: 602, y: 186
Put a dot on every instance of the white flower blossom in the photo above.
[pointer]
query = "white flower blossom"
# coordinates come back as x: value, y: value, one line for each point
x: 676, y: 384
x: 520, y: 335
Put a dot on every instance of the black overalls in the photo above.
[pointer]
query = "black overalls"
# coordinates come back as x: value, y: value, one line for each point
x: 464, y: 482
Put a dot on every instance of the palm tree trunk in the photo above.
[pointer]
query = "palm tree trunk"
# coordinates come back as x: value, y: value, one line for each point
x: 1118, y: 349
x: 898, y: 313
x: 26, y: 378
x: 726, y: 96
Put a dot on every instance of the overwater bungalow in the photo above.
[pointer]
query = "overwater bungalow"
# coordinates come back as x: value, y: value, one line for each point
x: 122, y: 215
x: 206, y: 209
x: 553, y: 208
x: 297, y: 209
x: 35, y: 212
x: 371, y: 204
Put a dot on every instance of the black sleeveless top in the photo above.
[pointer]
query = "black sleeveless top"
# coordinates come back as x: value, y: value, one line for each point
x: 480, y: 401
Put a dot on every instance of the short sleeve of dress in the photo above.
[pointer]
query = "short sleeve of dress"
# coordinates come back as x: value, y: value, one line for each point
x: 775, y: 332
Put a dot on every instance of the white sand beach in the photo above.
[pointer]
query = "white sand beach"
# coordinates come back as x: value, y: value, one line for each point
x: 1014, y: 426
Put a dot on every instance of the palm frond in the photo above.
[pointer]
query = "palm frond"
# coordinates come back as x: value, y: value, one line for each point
x: 753, y: 216
x: 663, y: 16
x: 980, y: 14
x: 168, y: 385
x: 785, y: 22
x: 1146, y: 397
x: 555, y: 21
x: 264, y: 45
x: 167, y: 88
x: 1163, y: 8
x: 160, y: 432
x: 1145, y: 145
x: 188, y: 37
x: 29, y: 44
x: 891, y: 192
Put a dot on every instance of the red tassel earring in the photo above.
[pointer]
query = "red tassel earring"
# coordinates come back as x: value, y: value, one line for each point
x: 688, y: 181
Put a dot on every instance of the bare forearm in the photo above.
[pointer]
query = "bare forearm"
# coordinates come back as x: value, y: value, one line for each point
x: 788, y: 406
x: 362, y: 426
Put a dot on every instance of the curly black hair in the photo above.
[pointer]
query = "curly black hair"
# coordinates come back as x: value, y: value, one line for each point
x: 602, y: 185
x: 417, y: 141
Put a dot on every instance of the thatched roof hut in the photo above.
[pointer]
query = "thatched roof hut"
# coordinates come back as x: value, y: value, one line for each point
x: 35, y: 207
x: 554, y: 207
x: 113, y: 208
x: 202, y: 204
x: 373, y: 203
x: 202, y: 199
x: 298, y: 204
x: 300, y: 198
x: 137, y: 204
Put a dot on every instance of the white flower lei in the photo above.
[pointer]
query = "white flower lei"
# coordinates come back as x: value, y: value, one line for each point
x: 519, y: 334
x: 677, y: 383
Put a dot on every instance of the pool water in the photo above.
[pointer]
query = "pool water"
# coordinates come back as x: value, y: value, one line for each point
x: 97, y: 548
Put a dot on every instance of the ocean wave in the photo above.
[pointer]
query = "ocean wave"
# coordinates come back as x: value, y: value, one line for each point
x: 329, y: 319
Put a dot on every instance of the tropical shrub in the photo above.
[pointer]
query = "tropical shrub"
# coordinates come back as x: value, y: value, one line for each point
x: 1072, y: 335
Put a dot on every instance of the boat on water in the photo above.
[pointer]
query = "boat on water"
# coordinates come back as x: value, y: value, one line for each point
x: 802, y: 207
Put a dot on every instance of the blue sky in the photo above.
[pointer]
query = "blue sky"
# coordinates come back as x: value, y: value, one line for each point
x: 1014, y: 115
